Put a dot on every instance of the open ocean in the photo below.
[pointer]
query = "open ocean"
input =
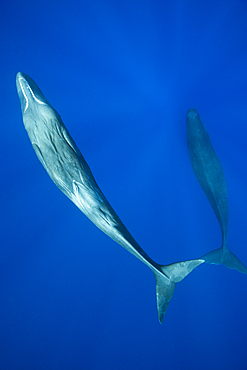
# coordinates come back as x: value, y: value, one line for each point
x: 122, y: 75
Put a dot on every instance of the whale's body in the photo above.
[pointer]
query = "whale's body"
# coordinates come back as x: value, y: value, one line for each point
x: 210, y: 175
x: 68, y: 169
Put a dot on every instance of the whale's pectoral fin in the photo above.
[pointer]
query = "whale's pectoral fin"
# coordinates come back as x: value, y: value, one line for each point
x: 165, y: 284
x: 232, y: 262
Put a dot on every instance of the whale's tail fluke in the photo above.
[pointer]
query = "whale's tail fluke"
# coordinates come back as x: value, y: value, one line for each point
x: 231, y: 261
x: 225, y: 257
x: 165, y: 283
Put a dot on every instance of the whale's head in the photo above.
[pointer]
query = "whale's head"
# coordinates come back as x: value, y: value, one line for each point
x: 196, y: 132
x: 39, y: 117
x: 29, y: 93
x: 34, y: 104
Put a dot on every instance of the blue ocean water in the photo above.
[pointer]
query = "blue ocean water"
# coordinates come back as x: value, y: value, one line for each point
x: 122, y: 75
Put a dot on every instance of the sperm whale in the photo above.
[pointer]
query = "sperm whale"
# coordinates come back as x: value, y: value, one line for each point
x: 210, y: 175
x: 68, y: 169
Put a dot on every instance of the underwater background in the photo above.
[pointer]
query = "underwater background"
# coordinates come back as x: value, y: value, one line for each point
x: 122, y: 75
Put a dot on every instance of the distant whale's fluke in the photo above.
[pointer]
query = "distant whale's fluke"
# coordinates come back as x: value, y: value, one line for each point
x: 68, y: 169
x: 210, y: 175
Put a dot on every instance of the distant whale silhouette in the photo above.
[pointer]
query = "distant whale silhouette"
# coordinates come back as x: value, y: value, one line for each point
x: 68, y: 169
x: 210, y: 175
